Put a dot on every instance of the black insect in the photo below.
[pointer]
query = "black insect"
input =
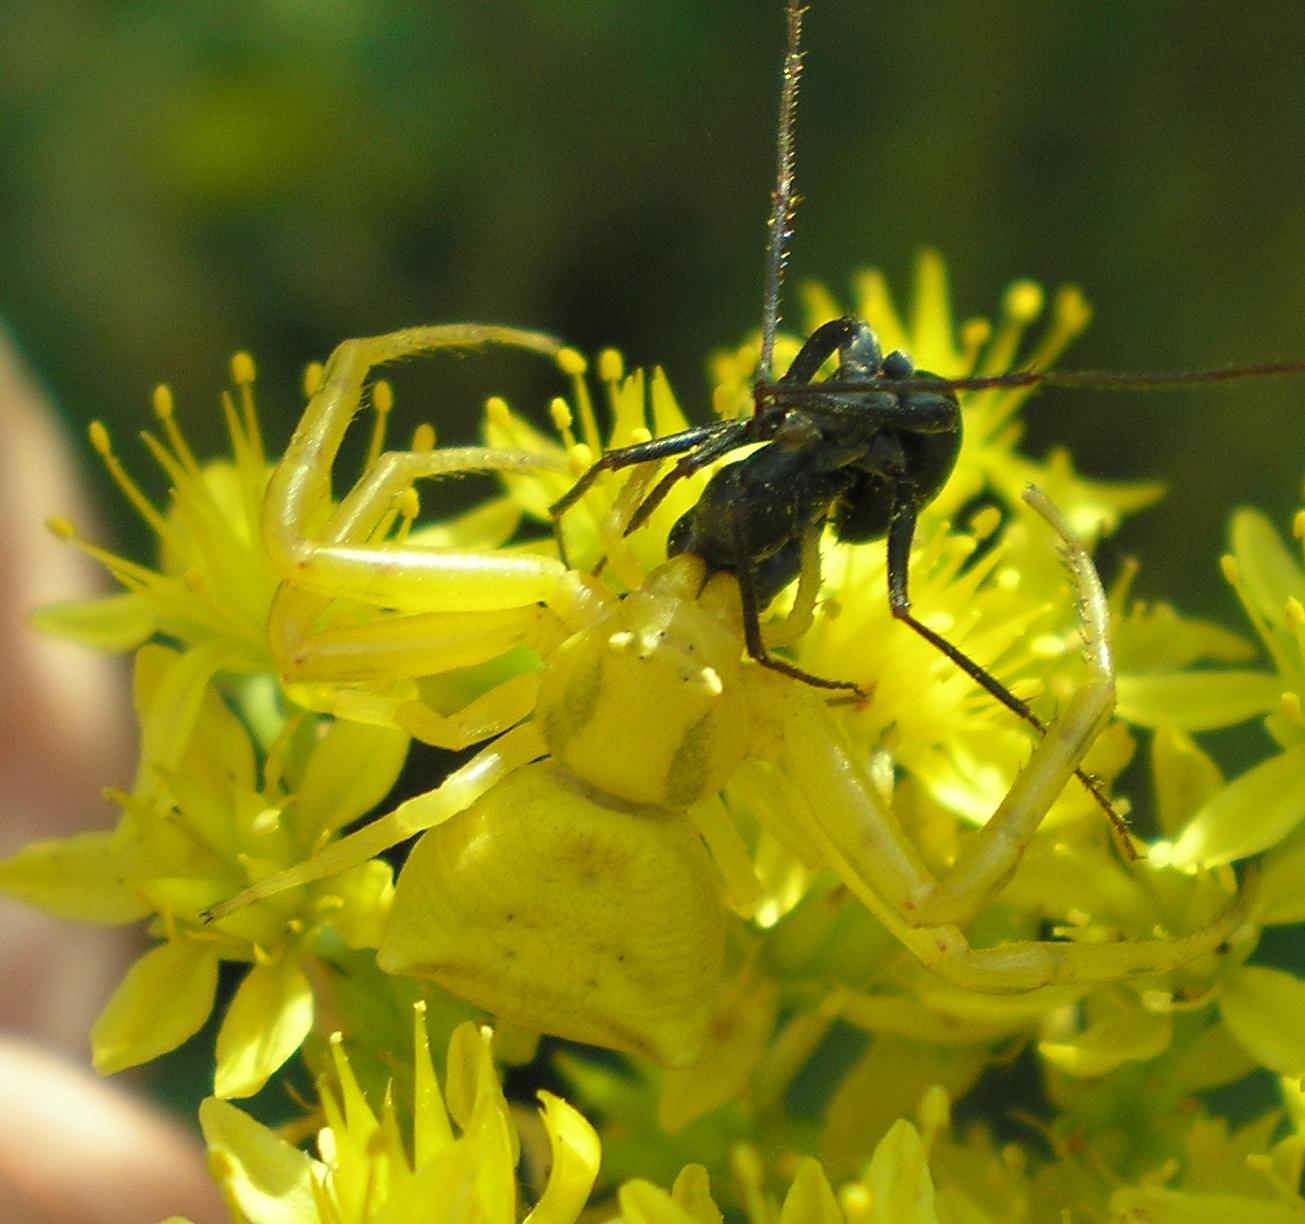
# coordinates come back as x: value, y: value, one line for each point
x: 865, y: 460
x: 862, y: 451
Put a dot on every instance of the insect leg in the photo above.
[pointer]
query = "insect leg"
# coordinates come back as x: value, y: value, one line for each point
x: 630, y: 456
x: 640, y: 452
x: 900, y: 534
x: 752, y: 614
x: 737, y: 433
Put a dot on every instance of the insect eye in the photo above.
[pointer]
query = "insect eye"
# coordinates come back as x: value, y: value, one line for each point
x: 898, y: 365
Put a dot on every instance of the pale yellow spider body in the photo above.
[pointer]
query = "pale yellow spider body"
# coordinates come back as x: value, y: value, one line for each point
x: 573, y: 875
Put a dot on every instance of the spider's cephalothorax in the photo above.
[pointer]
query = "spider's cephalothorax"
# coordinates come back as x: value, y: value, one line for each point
x: 864, y: 461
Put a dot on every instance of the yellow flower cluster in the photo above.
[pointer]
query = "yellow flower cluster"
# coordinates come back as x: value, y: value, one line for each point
x: 800, y: 921
x: 457, y: 1162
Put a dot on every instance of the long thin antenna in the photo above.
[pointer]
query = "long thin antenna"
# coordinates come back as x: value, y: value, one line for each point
x: 784, y: 198
x: 1102, y: 380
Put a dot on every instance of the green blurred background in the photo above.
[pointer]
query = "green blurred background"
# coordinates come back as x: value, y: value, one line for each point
x: 178, y: 180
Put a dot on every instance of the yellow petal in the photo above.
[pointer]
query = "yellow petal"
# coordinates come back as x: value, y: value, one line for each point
x: 468, y: 1051
x: 1196, y: 701
x: 1269, y: 574
x: 899, y: 1181
x: 169, y: 691
x: 809, y: 1199
x: 886, y: 1084
x: 1185, y: 778
x: 1250, y: 814
x: 643, y: 1203
x: 112, y: 624
x: 268, y: 1179
x: 1281, y: 895
x: 350, y: 771
x: 366, y: 893
x: 266, y: 1023
x: 431, y: 1130
x: 576, y: 1154
x: 692, y: 1191
x: 1262, y: 1009
x: 73, y: 877
x: 165, y: 998
x: 1122, y: 1035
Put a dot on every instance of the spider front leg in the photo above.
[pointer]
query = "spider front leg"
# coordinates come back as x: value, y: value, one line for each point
x: 455, y: 794
x: 434, y: 608
x: 299, y: 490
x: 866, y: 844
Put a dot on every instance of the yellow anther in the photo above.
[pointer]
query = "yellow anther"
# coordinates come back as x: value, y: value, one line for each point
x: 163, y: 410
x: 571, y: 362
x: 581, y: 458
x: 720, y: 368
x: 1047, y: 646
x: 1298, y: 525
x: 61, y: 528
x: 985, y: 522
x: 746, y: 1166
x: 242, y: 369
x: 935, y: 1110
x: 409, y: 504
x: 1294, y: 613
x: 1230, y: 569
x: 855, y: 1203
x: 1023, y: 302
x: 639, y: 435
x: 723, y: 400
x: 1289, y: 706
x: 1071, y: 309
x: 560, y: 412
x: 382, y: 399
x: 118, y: 474
x: 423, y: 437
x: 312, y: 378
x: 1008, y: 579
x: 975, y: 333
x: 497, y: 411
x: 267, y: 821
x: 611, y: 367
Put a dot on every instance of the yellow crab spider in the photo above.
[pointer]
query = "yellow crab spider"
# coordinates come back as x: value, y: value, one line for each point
x: 572, y: 874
